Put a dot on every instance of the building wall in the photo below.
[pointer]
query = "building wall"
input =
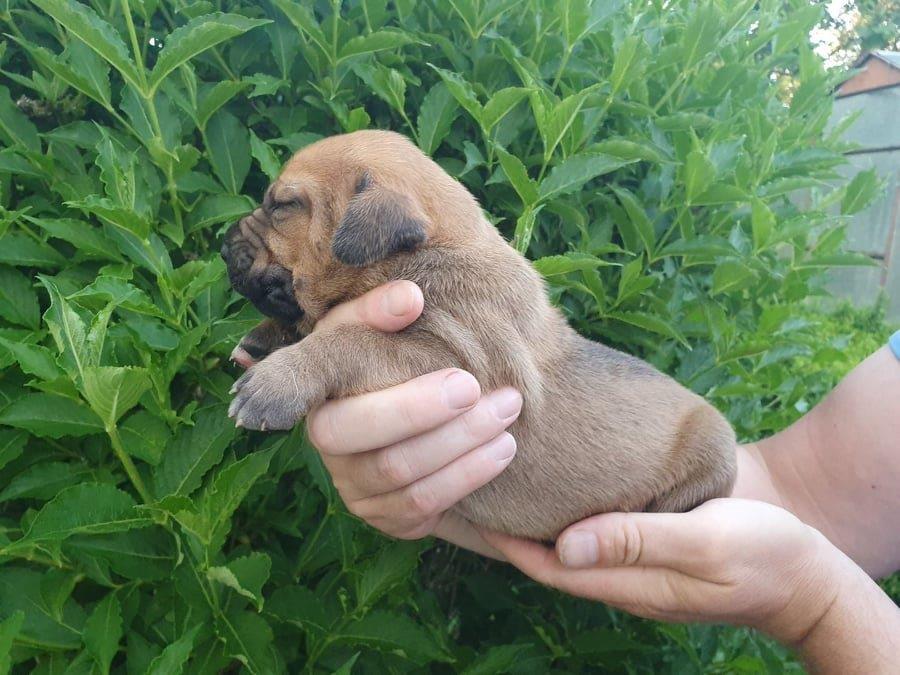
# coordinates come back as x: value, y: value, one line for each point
x: 876, y: 230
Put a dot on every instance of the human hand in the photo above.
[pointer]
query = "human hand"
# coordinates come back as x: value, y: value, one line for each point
x: 401, y: 457
x: 729, y: 560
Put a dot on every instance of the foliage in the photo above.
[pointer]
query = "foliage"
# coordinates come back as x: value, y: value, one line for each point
x: 638, y: 151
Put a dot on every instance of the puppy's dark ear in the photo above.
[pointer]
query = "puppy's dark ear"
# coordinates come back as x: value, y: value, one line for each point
x: 378, y: 223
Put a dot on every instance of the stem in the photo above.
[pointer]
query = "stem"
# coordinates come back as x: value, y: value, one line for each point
x: 127, y: 464
x: 135, y: 46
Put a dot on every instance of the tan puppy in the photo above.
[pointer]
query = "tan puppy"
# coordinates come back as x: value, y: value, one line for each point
x: 599, y: 431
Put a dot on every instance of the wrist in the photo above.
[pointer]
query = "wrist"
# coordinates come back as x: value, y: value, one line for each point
x: 820, y: 584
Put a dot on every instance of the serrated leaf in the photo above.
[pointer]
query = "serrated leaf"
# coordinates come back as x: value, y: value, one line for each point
x: 9, y: 629
x: 16, y: 126
x: 303, y: 18
x: 114, y: 390
x: 95, y: 32
x: 500, y: 105
x: 12, y: 443
x: 374, y: 42
x: 525, y: 228
x: 524, y: 186
x: 43, y: 480
x: 500, y: 659
x: 651, y: 323
x: 462, y: 91
x: 33, y: 359
x: 720, y: 193
x: 629, y: 149
x: 264, y: 154
x: 387, y: 83
x: 23, y: 251
x: 86, y: 238
x: 628, y: 64
x: 51, y: 416
x: 576, y: 171
x: 89, y: 508
x: 731, y: 274
x: 173, y: 658
x: 18, y: 300
x: 860, y: 192
x: 554, y: 265
x: 391, y: 632
x: 390, y: 567
x: 762, y: 221
x: 699, y: 172
x: 103, y: 631
x: 228, y: 144
x: 215, y: 97
x: 638, y: 218
x: 436, y: 114
x: 248, y: 638
x: 196, y: 36
x: 20, y: 591
x: 148, y: 554
x: 246, y: 575
x: 192, y: 452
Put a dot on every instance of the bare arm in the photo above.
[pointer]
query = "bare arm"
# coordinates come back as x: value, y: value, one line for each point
x: 838, y: 467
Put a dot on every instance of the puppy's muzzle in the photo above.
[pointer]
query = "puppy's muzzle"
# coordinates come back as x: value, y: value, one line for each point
x: 268, y: 285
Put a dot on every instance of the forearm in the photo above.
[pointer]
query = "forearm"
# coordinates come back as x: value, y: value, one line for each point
x: 860, y: 632
x: 838, y: 468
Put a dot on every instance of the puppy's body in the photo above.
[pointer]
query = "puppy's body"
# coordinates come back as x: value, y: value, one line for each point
x: 599, y: 430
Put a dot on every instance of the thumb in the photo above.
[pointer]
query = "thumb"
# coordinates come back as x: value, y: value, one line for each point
x: 390, y: 307
x: 632, y: 539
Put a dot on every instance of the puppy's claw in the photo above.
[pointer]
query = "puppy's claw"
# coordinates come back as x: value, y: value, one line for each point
x: 239, y: 422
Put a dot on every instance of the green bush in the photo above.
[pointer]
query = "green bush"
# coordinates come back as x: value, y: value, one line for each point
x: 666, y: 164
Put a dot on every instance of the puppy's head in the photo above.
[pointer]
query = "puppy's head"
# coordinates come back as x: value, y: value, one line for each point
x: 340, y: 212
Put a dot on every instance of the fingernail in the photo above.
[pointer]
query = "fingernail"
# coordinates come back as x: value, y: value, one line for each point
x: 398, y: 300
x: 579, y: 549
x: 461, y: 390
x: 502, y: 449
x: 507, y: 403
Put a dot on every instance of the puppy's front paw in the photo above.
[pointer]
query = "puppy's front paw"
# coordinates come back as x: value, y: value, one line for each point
x: 273, y: 394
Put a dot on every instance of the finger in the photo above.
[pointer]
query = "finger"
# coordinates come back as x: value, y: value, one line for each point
x: 396, y: 466
x: 648, y: 591
x: 390, y: 307
x: 382, y: 418
x: 426, y: 498
x: 681, y: 541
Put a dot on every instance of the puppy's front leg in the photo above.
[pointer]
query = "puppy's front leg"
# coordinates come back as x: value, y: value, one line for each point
x: 282, y: 388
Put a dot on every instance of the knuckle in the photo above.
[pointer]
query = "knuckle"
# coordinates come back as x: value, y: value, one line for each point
x: 420, y: 501
x: 393, y: 468
x: 320, y: 429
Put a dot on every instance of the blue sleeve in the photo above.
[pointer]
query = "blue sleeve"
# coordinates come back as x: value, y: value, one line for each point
x: 894, y: 343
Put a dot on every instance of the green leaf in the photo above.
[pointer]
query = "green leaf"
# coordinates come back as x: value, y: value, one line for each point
x: 720, y: 193
x: 374, y: 42
x: 89, y: 508
x: 12, y: 443
x: 228, y: 144
x: 387, y: 83
x: 860, y: 192
x: 248, y: 638
x: 701, y: 35
x: 175, y: 655
x: 554, y: 265
x: 212, y: 519
x: 303, y: 18
x: 192, y: 452
x: 148, y: 554
x: 436, y: 114
x: 699, y: 172
x: 15, y: 126
x: 762, y: 221
x: 51, y: 416
x: 628, y: 64
x: 629, y: 149
x: 103, y: 631
x: 731, y: 274
x: 500, y: 659
x: 525, y: 228
x: 9, y: 629
x: 524, y: 186
x: 43, y: 480
x: 556, y: 122
x: 86, y: 238
x: 638, y: 218
x: 20, y: 592
x: 114, y: 390
x: 196, y: 36
x: 33, y: 359
x: 500, y: 105
x: 393, y: 565
x: 18, y: 300
x: 462, y: 91
x: 264, y: 154
x: 651, y: 323
x: 215, y: 97
x: 84, y: 22
x: 391, y: 632
x: 576, y: 171
x: 21, y: 250
x: 246, y: 576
